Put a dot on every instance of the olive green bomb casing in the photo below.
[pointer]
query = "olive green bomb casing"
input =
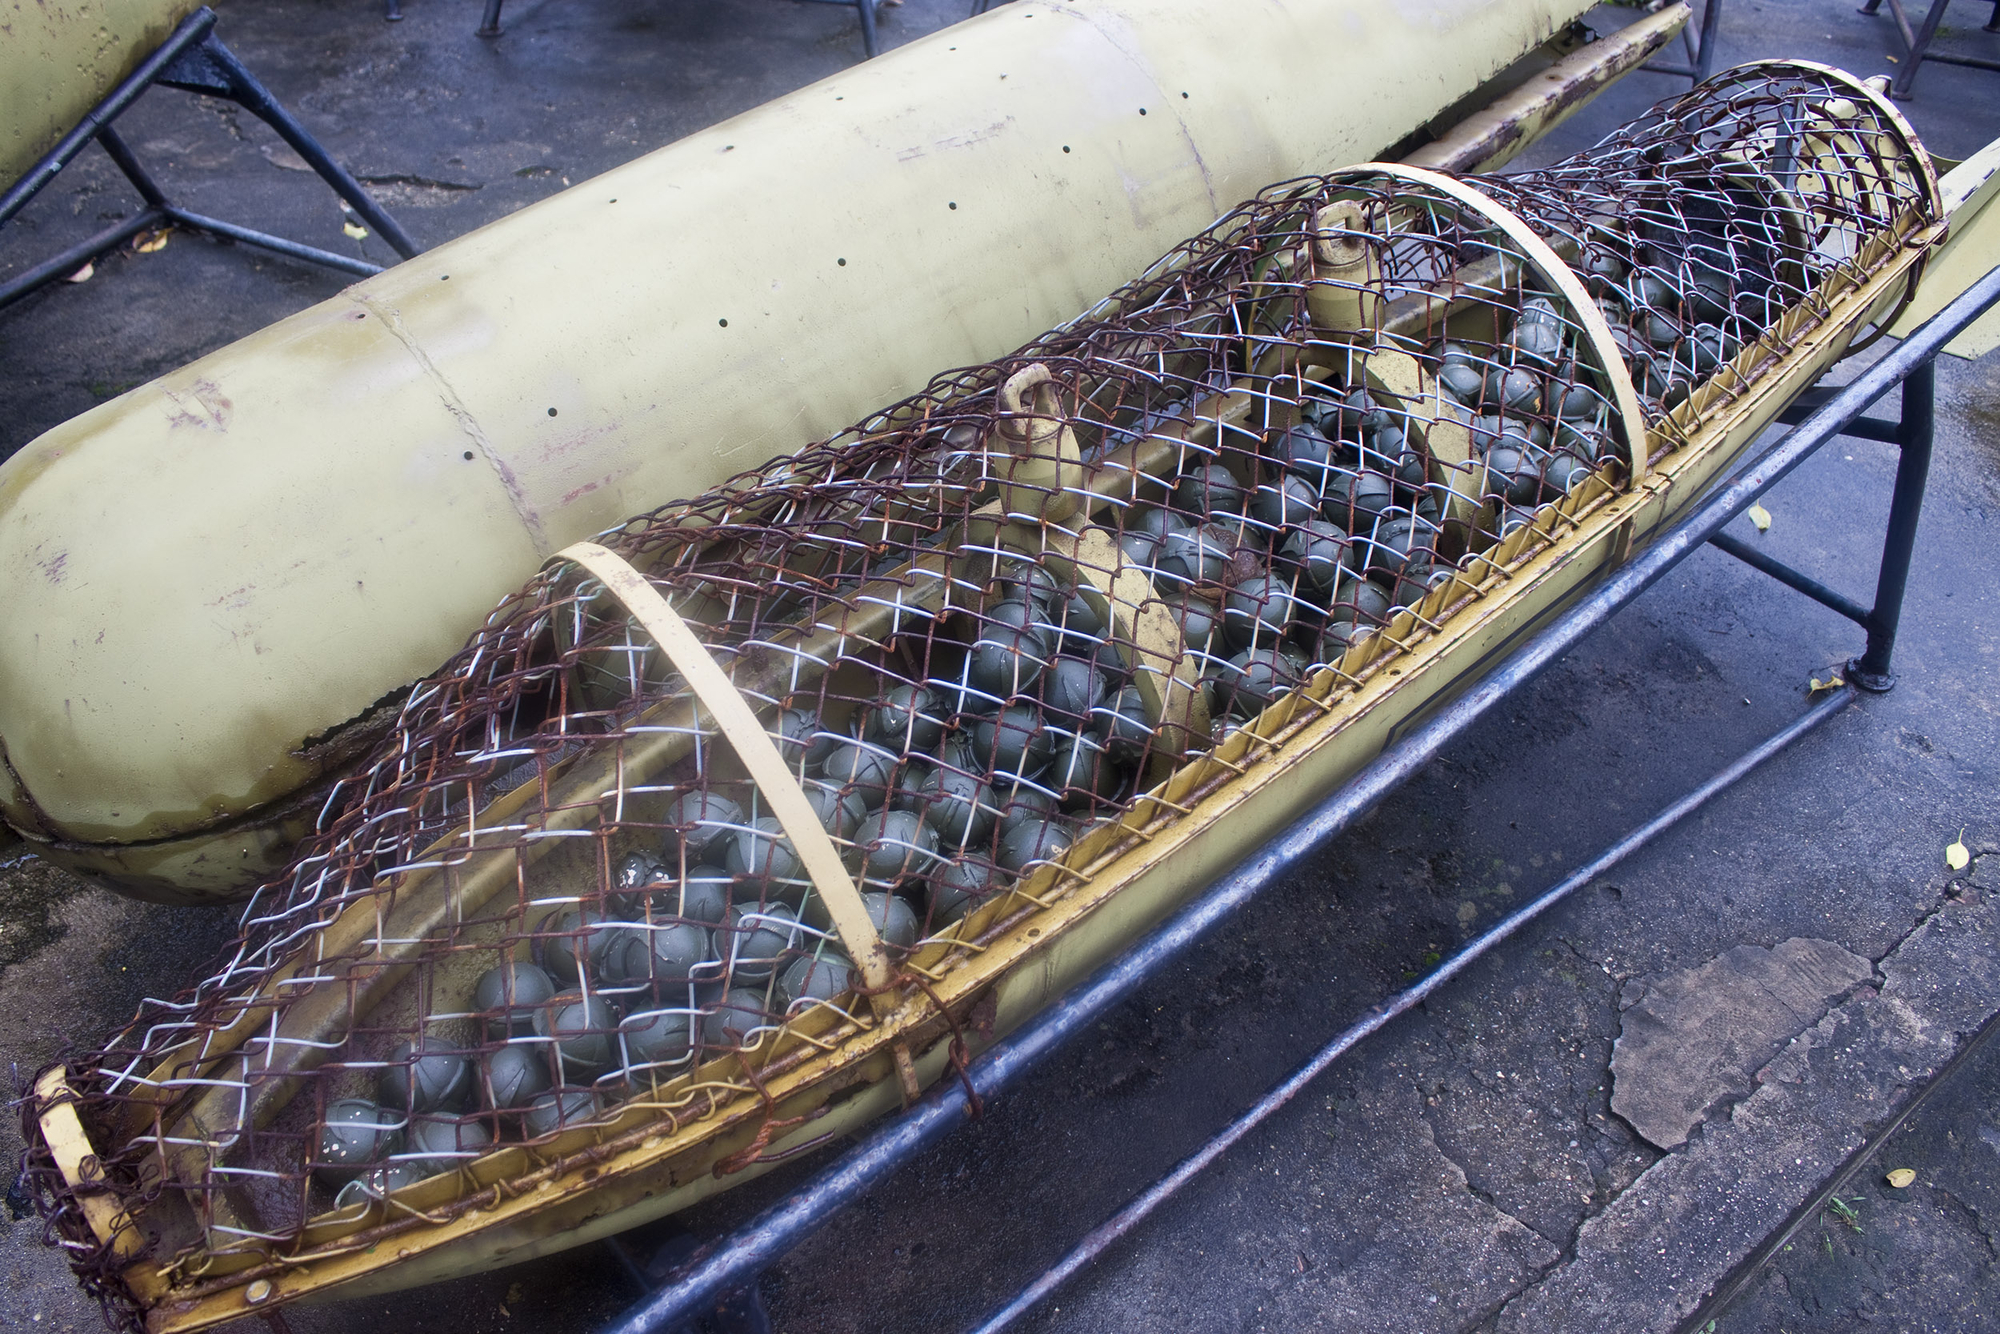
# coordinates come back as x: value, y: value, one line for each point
x: 57, y: 61
x: 213, y: 581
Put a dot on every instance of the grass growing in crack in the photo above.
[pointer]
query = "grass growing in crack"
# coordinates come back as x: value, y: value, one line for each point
x: 1846, y: 1212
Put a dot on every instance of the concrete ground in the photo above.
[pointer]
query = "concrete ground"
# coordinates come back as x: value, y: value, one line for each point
x: 1467, y: 1169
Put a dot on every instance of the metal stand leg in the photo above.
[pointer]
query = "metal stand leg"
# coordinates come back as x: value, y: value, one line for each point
x: 865, y: 8
x: 867, y: 11
x: 1871, y: 671
x: 1711, y: 25
x: 394, y: 13
x: 1699, y: 40
x: 489, y: 26
x: 213, y: 68
x: 195, y: 60
x: 1917, y: 43
x: 114, y: 146
x: 1911, y: 433
x: 1906, y: 77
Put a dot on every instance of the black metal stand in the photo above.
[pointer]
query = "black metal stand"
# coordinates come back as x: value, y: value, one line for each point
x: 489, y: 23
x: 1917, y: 44
x: 193, y: 58
x: 738, y: 1312
x: 1699, y: 39
x: 1911, y: 432
x: 727, y: 1265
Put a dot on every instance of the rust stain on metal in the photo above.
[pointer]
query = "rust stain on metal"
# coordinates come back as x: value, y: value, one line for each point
x: 203, y: 405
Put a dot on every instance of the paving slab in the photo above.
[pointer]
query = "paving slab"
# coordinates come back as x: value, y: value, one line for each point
x: 1646, y: 1261
x: 1922, y: 1256
x: 1694, y: 1039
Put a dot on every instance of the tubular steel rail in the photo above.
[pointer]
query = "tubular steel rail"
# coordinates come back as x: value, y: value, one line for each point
x: 722, y: 1267
x: 1699, y: 40
x: 193, y: 59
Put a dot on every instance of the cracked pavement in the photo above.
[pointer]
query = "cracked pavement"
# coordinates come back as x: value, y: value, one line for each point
x: 1464, y: 1169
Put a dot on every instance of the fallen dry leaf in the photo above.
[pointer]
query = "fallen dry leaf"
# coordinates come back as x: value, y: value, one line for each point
x: 152, y: 240
x: 1901, y: 1178
x: 1761, y: 517
x: 82, y: 275
x: 1832, y: 679
x: 355, y: 230
x: 1958, y: 856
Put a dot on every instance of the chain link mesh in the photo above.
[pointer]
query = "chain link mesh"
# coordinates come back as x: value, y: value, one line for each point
x: 551, y: 899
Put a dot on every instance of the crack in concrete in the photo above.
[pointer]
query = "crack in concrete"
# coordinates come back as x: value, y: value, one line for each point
x: 1485, y: 1317
x: 1972, y: 1219
x: 1484, y: 1196
x: 426, y: 182
x: 1607, y: 1138
x: 225, y: 111
x: 1946, y: 899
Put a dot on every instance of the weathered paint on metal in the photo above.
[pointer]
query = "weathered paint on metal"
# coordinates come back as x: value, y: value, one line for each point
x: 57, y: 61
x: 1489, y: 139
x: 1971, y: 249
x: 215, y: 575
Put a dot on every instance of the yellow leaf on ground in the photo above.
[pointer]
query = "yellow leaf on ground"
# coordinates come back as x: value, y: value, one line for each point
x: 82, y: 275
x: 152, y: 239
x: 355, y: 230
x: 1901, y: 1178
x: 1958, y: 856
x: 1832, y: 679
x: 1761, y: 517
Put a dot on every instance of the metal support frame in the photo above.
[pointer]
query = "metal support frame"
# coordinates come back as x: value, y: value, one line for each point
x: 193, y: 59
x: 866, y: 9
x: 1699, y: 40
x: 1917, y: 44
x: 489, y: 23
x: 728, y: 1264
x: 1912, y: 433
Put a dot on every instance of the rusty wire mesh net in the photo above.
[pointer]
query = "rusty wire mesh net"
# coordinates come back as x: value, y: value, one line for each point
x: 551, y: 907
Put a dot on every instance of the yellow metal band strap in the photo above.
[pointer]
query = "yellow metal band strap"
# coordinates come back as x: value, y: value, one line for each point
x: 63, y: 1133
x: 1168, y: 684
x: 738, y: 724
x: 1536, y: 251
